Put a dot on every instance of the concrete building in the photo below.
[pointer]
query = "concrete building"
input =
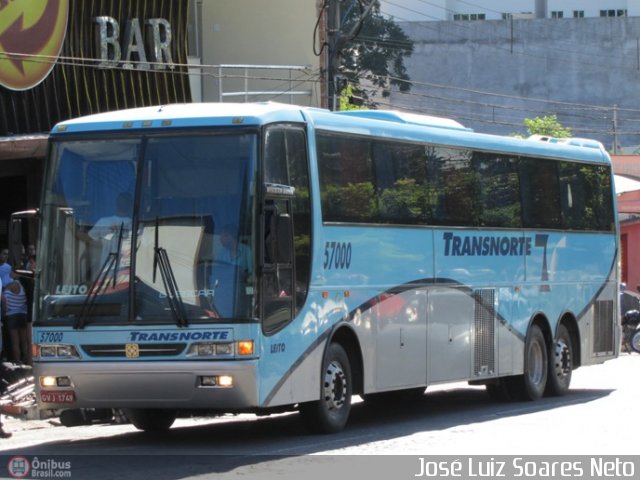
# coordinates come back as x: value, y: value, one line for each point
x: 442, y: 10
x: 491, y: 75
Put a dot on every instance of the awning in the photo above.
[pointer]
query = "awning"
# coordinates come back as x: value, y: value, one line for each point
x: 23, y: 146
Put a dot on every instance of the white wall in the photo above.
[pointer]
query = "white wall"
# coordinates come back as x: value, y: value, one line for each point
x: 260, y: 32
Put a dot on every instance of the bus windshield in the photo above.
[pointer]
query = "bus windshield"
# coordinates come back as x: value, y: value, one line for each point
x: 174, y: 213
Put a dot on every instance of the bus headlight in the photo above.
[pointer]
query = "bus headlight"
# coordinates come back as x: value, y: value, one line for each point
x: 223, y: 381
x: 224, y: 349
x: 50, y: 381
x: 61, y: 351
x: 210, y: 349
x: 206, y: 349
x: 214, y: 349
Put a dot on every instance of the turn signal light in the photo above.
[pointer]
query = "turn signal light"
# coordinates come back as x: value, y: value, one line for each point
x: 245, y: 347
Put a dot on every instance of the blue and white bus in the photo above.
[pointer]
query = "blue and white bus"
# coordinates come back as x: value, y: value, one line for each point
x: 265, y: 258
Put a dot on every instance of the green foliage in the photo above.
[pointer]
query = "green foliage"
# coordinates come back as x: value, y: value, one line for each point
x: 407, y: 200
x: 344, y: 99
x: 352, y: 202
x: 375, y: 56
x: 547, y: 125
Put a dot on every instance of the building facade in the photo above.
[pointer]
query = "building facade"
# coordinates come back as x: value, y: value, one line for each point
x: 491, y: 75
x: 443, y: 10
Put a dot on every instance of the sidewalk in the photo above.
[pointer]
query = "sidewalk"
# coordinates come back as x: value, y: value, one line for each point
x: 30, y: 421
x: 13, y: 425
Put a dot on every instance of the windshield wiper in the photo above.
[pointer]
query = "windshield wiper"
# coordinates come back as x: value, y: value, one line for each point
x: 161, y: 260
x: 112, y: 260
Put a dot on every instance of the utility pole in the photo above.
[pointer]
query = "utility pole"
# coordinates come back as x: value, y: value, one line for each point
x: 338, y: 40
x: 615, y: 129
x: 334, y: 54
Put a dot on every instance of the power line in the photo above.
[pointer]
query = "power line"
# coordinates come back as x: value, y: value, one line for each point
x: 179, y: 68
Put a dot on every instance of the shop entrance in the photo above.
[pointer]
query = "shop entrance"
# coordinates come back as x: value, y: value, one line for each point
x: 13, y: 198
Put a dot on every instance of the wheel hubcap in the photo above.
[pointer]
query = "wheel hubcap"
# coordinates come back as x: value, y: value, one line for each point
x: 335, y: 386
x: 562, y: 359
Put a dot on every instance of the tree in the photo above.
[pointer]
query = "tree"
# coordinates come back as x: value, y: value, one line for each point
x: 347, y: 95
x: 547, y: 125
x: 373, y: 59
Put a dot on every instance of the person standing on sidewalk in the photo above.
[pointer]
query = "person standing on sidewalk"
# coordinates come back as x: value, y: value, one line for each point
x: 3, y: 432
x: 15, y: 300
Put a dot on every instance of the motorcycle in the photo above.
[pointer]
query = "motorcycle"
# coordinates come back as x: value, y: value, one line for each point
x: 631, y: 331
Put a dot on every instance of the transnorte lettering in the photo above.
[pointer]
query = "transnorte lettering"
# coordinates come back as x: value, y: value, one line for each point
x: 179, y: 336
x: 485, y: 246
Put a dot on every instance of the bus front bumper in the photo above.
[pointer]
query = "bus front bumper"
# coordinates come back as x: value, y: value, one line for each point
x: 228, y: 386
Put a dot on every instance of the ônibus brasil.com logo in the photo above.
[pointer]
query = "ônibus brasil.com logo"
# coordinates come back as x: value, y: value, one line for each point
x: 21, y: 467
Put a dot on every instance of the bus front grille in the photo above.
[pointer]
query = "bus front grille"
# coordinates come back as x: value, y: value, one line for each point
x: 123, y: 350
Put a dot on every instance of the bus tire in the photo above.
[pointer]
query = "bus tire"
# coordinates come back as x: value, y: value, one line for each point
x: 331, y: 412
x: 151, y: 419
x: 531, y: 384
x: 560, y: 364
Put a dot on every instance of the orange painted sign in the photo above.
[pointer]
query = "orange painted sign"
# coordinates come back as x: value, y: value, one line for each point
x: 31, y: 36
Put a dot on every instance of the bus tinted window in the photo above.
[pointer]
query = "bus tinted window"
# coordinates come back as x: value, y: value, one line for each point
x: 402, y: 184
x: 599, y: 198
x: 346, y: 176
x: 540, y: 193
x: 275, y: 170
x: 498, y: 190
x: 454, y: 180
x: 384, y: 182
x: 585, y: 197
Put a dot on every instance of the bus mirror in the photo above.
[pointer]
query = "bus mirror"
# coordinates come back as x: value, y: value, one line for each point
x: 284, y: 236
x: 21, y: 223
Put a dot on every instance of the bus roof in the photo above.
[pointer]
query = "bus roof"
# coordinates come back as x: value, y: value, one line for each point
x: 379, y: 123
x: 184, y: 115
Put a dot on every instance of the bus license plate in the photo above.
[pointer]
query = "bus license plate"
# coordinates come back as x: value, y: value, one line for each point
x: 57, y: 397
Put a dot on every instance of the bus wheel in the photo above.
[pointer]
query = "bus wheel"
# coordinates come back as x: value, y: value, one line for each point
x: 151, y: 419
x: 330, y: 413
x: 531, y: 384
x: 560, y: 364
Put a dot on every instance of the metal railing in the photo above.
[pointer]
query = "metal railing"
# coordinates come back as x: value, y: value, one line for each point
x: 269, y: 81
